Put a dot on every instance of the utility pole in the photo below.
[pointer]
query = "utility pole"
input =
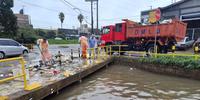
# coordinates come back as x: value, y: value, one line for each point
x: 151, y: 7
x: 92, y: 21
x: 97, y: 30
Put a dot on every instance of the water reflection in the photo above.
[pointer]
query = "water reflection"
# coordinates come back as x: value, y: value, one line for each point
x: 125, y: 83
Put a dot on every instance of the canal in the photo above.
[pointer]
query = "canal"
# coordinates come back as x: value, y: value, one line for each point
x: 119, y: 82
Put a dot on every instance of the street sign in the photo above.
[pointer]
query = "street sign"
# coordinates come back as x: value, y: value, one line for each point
x: 90, y: 0
x: 158, y: 14
x: 154, y: 16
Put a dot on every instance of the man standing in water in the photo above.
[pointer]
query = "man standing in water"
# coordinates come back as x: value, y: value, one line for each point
x: 84, y: 45
x: 44, y: 49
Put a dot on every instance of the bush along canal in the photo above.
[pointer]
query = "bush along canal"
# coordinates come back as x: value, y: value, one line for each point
x: 122, y: 78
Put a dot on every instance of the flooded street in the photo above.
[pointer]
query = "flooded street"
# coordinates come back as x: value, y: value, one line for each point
x: 125, y: 83
x: 34, y: 56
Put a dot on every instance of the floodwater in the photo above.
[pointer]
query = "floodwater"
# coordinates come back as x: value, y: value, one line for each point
x: 126, y: 83
x: 34, y: 56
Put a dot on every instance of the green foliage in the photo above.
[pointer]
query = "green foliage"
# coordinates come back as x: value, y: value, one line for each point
x: 180, y: 61
x: 50, y: 35
x: 8, y: 21
x: 27, y: 35
x: 41, y: 33
x: 53, y: 41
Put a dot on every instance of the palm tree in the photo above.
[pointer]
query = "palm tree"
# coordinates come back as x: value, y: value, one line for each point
x: 61, y: 17
x: 80, y: 18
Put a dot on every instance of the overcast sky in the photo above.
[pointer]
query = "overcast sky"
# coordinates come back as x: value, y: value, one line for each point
x: 44, y: 13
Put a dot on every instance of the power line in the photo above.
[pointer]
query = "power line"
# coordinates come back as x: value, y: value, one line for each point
x: 39, y: 6
x: 73, y: 6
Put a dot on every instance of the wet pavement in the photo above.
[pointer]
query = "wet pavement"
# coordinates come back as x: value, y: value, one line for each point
x: 34, y: 56
x: 44, y: 75
x: 128, y: 83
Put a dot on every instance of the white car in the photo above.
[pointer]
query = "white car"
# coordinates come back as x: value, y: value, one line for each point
x: 9, y: 47
x: 185, y: 43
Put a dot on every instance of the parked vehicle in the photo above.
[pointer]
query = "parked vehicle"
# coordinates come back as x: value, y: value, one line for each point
x: 9, y: 47
x: 142, y: 37
x: 185, y: 44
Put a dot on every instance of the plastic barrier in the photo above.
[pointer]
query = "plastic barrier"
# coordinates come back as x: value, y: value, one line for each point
x: 22, y: 75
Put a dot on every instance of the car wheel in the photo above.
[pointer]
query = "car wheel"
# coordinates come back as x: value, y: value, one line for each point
x: 2, y: 55
x: 25, y: 52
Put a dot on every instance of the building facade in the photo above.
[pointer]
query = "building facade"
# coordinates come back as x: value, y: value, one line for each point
x: 187, y: 11
x: 23, y: 20
x: 84, y: 29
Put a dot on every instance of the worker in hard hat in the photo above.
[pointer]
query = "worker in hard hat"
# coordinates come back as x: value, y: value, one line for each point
x: 84, y: 46
x: 44, y: 49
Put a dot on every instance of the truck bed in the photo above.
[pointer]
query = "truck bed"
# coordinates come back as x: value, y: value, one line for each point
x: 175, y: 29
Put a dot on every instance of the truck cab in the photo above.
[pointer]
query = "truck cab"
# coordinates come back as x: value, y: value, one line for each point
x: 107, y: 35
x: 113, y: 34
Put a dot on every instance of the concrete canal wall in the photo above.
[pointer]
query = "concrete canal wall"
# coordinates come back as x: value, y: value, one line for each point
x: 160, y: 69
x: 58, y: 85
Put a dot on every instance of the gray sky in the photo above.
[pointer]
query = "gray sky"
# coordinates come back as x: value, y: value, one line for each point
x: 44, y: 13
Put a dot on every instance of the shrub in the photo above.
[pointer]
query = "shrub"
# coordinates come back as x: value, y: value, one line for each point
x: 180, y: 61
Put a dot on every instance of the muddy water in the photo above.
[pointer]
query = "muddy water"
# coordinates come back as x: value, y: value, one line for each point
x: 126, y: 83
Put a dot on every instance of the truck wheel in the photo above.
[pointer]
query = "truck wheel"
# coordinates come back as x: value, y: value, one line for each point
x: 163, y: 49
x: 2, y: 55
x: 150, y: 49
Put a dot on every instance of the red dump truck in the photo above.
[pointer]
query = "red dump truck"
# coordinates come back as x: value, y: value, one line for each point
x: 143, y: 37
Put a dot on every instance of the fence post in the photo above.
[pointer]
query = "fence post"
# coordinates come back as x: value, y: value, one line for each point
x: 173, y: 50
x: 93, y: 55
x: 119, y: 50
x: 155, y: 53
x: 129, y: 54
x: 24, y: 72
x: 72, y: 54
x: 196, y: 57
x: 196, y: 49
x: 97, y: 52
x: 106, y: 50
x: 79, y: 53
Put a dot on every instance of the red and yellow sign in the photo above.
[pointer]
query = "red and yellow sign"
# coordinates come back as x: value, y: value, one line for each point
x: 154, y: 16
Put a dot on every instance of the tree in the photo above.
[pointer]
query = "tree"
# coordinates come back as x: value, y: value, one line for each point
x: 8, y: 21
x: 80, y: 18
x: 27, y: 35
x: 50, y: 35
x: 61, y: 17
x: 41, y: 33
